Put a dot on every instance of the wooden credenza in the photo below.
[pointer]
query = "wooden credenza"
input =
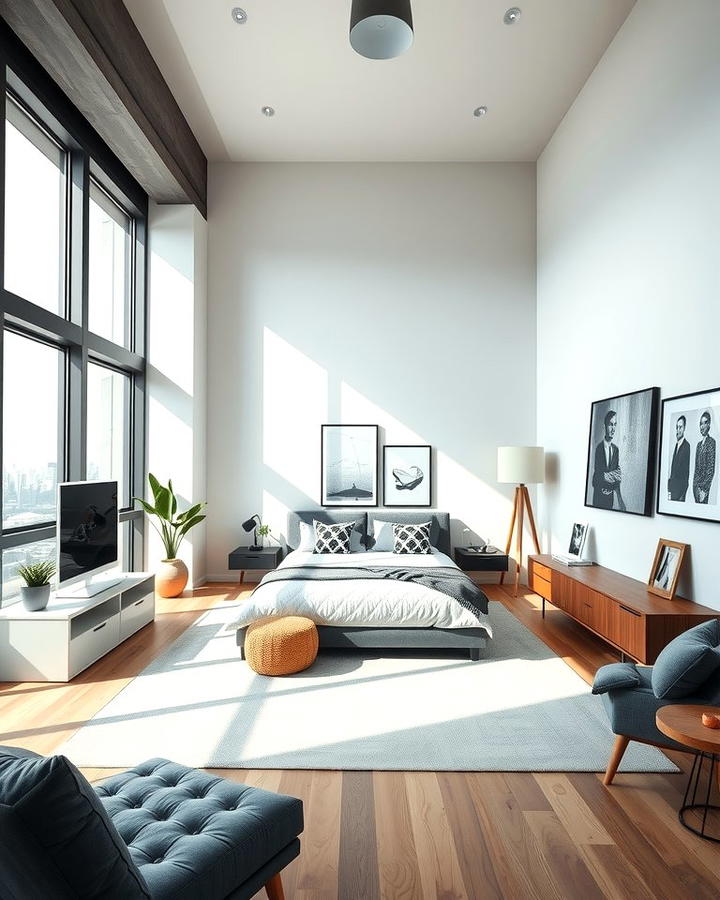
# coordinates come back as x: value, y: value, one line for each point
x: 618, y: 609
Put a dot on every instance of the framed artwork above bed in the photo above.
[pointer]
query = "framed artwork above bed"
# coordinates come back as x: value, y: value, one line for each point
x: 349, y: 465
x: 407, y: 475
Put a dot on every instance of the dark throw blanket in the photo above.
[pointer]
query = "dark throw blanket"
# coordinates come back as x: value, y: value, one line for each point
x: 447, y: 580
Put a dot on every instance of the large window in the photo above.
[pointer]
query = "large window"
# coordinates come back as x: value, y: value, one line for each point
x: 73, y: 314
x: 33, y: 428
x: 110, y: 267
x: 108, y: 429
x: 35, y: 191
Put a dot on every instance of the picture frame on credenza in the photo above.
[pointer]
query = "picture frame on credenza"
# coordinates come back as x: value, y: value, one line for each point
x: 666, y: 568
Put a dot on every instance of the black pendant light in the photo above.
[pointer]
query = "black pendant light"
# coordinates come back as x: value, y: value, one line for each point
x: 381, y: 29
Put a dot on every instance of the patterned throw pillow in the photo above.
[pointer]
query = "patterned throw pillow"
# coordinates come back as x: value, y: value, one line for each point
x: 332, y: 538
x: 412, y: 538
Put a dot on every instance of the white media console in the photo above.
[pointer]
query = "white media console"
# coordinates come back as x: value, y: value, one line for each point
x: 71, y: 633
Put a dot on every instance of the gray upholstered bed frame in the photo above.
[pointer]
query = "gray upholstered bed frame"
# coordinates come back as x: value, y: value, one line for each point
x: 472, y: 640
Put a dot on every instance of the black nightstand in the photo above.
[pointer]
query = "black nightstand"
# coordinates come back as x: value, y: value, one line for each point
x: 245, y: 559
x: 480, y: 562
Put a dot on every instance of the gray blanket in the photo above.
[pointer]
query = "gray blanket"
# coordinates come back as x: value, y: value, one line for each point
x: 447, y: 580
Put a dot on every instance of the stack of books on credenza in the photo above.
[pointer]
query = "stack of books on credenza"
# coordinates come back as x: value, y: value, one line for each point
x: 567, y: 560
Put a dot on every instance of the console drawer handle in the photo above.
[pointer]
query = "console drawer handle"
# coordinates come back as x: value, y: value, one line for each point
x: 98, y: 627
x: 631, y: 611
x: 140, y: 601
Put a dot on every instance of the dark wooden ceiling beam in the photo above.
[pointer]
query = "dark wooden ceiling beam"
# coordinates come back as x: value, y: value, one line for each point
x: 95, y: 53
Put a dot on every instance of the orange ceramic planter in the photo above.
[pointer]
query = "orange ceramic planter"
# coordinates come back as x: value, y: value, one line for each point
x: 171, y: 578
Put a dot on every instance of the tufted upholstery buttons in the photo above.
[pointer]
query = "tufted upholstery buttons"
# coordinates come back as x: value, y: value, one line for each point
x: 179, y: 804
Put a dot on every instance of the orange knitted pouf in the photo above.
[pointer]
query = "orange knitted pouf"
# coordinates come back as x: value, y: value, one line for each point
x: 281, y: 646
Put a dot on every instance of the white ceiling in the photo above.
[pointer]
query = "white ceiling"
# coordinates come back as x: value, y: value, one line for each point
x: 333, y: 105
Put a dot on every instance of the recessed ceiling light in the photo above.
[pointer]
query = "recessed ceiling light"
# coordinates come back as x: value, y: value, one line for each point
x: 512, y: 15
x: 480, y: 111
x: 267, y: 111
x: 239, y: 15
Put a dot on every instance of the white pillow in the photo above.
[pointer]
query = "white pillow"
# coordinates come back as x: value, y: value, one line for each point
x: 384, y: 537
x: 307, y: 539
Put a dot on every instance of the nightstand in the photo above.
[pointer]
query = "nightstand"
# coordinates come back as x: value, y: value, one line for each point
x: 245, y: 559
x: 469, y: 561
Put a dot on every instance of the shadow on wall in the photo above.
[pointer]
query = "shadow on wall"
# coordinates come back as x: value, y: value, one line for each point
x: 299, y: 395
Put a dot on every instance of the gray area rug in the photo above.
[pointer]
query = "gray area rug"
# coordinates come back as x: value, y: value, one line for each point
x: 521, y: 708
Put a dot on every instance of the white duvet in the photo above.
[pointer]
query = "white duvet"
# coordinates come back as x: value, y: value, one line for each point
x: 377, y: 604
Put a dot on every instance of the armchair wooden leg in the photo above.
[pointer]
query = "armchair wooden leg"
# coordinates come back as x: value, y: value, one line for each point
x: 274, y: 888
x: 618, y: 750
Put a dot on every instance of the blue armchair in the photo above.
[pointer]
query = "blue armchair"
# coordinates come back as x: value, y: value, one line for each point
x: 687, y: 671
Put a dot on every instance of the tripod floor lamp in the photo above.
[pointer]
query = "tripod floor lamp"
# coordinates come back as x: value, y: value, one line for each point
x: 521, y: 466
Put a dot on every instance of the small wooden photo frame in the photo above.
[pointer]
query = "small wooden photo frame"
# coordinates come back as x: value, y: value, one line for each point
x: 666, y: 568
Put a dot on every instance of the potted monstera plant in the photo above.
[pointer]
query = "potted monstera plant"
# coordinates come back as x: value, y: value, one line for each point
x: 172, y: 576
x: 35, y: 593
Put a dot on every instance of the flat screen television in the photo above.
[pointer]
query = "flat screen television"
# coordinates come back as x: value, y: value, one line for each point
x: 87, y: 522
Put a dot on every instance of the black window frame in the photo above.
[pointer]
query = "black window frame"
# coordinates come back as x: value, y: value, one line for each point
x: 87, y: 157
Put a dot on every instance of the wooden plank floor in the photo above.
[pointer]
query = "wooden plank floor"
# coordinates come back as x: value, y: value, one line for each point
x: 443, y: 835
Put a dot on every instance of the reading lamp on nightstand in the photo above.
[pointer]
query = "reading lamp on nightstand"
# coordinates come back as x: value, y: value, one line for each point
x: 520, y: 466
x: 252, y: 525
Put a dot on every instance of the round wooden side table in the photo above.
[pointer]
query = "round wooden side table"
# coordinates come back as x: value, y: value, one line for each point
x: 683, y: 723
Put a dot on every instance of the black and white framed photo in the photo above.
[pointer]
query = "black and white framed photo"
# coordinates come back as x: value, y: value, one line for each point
x: 666, y: 568
x: 578, y: 536
x: 688, y: 473
x: 621, y: 452
x: 349, y: 465
x: 407, y: 475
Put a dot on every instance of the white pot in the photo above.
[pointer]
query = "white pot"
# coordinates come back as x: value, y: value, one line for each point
x: 35, y: 598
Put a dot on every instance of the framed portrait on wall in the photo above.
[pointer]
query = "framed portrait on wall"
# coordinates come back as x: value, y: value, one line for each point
x: 349, y: 465
x: 688, y: 472
x: 621, y: 452
x: 407, y: 475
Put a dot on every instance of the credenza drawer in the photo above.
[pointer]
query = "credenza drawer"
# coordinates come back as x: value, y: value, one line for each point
x: 562, y: 592
x: 542, y: 571
x: 139, y: 612
x: 626, y: 628
x: 541, y: 586
x: 92, y: 644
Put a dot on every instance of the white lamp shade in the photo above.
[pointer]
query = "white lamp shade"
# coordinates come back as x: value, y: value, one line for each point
x: 381, y: 29
x: 521, y: 465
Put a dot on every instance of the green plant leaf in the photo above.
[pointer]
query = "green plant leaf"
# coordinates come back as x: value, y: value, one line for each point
x: 150, y: 510
x: 190, y: 524
x: 162, y: 503
x: 189, y: 513
x: 154, y: 484
x: 173, y: 499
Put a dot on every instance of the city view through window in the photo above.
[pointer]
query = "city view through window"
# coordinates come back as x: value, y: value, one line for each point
x: 36, y: 370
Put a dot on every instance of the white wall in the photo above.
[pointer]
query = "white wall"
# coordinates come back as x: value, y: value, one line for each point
x: 402, y: 295
x: 628, y: 275
x: 177, y: 369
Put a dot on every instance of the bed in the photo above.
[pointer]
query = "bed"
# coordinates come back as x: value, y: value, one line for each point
x: 381, y: 608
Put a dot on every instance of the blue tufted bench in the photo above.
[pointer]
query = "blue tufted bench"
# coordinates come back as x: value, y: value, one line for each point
x: 159, y: 831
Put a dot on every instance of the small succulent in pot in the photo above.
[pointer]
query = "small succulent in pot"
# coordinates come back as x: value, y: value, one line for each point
x: 35, y: 593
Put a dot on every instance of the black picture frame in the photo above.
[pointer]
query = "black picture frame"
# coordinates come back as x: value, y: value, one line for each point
x: 671, y: 501
x: 411, y: 455
x: 366, y: 447
x: 631, y: 469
